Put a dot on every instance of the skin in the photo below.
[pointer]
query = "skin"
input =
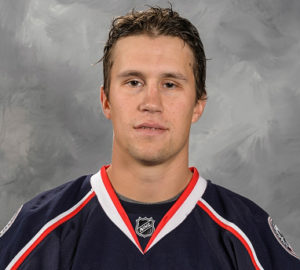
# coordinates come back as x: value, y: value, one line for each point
x: 151, y: 106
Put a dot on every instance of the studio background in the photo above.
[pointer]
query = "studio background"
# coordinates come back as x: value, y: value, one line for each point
x: 52, y: 129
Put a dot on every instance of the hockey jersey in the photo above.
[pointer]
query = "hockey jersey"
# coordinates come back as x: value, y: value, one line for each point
x: 84, y: 225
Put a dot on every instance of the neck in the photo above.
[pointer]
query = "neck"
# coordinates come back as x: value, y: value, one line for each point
x: 149, y: 184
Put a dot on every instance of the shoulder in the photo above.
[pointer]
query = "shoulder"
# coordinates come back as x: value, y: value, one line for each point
x: 231, y: 204
x: 248, y: 224
x: 39, y: 216
x: 62, y: 197
x: 49, y: 204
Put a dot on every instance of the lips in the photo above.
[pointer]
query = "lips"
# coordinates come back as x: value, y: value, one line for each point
x: 151, y: 126
x: 150, y: 129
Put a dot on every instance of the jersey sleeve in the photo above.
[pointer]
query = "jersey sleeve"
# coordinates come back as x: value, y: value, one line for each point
x: 7, y: 248
x: 32, y: 239
x: 15, y: 235
x: 277, y: 252
x: 23, y: 228
x: 271, y: 247
x: 254, y: 241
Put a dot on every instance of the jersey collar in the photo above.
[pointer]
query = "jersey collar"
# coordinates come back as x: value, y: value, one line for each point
x: 173, y: 218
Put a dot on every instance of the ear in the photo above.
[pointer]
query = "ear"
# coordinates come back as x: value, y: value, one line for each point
x: 198, y: 110
x: 106, y: 107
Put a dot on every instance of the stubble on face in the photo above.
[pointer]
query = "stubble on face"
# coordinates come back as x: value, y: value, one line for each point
x: 151, y: 57
x: 148, y: 155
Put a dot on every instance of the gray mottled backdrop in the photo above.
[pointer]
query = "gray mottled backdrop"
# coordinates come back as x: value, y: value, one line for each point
x: 52, y: 129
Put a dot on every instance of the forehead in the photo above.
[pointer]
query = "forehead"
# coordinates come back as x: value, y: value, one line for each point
x: 159, y: 52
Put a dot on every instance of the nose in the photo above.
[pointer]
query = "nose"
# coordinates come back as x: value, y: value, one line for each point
x: 151, y: 101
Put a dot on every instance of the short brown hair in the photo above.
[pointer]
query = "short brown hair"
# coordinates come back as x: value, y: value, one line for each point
x: 156, y: 21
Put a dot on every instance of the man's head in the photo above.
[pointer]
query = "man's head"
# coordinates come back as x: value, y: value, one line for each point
x: 151, y: 74
x: 155, y: 22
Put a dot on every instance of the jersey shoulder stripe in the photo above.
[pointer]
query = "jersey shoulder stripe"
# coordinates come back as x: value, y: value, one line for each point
x: 48, y: 228
x: 234, y: 229
x: 246, y: 224
x: 41, y: 216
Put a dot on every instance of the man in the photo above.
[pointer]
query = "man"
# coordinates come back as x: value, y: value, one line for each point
x: 147, y: 209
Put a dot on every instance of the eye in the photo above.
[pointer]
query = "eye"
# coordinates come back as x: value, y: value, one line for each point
x: 169, y: 85
x: 134, y: 83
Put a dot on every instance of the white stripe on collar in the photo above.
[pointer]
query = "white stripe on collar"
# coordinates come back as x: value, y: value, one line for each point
x: 173, y: 218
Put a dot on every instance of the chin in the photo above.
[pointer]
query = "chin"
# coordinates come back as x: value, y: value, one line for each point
x: 151, y: 162
x: 150, y: 159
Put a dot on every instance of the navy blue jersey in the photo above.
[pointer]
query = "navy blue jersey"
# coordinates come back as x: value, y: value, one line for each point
x: 83, y: 225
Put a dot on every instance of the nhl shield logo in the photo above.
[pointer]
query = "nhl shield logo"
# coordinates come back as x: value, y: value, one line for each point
x: 144, y: 226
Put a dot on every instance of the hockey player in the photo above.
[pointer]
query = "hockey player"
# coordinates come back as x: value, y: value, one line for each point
x: 147, y: 209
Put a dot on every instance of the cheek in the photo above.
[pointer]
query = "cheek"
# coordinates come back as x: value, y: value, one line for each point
x: 181, y: 110
x: 121, y: 115
x: 181, y: 121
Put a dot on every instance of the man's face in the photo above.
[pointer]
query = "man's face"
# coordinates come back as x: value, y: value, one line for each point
x: 151, y: 98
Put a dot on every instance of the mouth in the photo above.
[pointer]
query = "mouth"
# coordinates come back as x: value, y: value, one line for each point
x: 150, y: 128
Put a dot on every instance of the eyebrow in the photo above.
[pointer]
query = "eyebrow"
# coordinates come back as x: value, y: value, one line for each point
x: 129, y: 73
x: 174, y: 75
x: 135, y: 73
